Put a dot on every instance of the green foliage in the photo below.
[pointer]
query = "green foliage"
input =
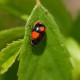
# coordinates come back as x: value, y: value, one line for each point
x: 11, y: 73
x: 44, y: 61
x: 8, y: 55
x: 47, y: 61
x: 61, y: 15
x: 74, y: 49
x: 6, y: 36
x: 10, y: 17
x: 13, y: 11
x: 8, y: 20
x: 58, y: 10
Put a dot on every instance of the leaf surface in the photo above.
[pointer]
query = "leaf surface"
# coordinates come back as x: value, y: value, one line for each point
x: 8, y: 55
x: 74, y: 50
x: 6, y: 36
x: 49, y: 60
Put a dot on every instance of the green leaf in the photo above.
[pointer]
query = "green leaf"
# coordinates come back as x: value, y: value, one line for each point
x: 8, y: 55
x: 49, y: 60
x: 11, y: 74
x: 6, y: 36
x: 8, y: 20
x: 14, y: 11
x: 74, y: 50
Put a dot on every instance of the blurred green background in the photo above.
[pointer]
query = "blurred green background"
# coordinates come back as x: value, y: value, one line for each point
x: 11, y: 10
x: 14, y: 13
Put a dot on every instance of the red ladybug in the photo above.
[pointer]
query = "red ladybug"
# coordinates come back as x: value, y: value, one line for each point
x: 37, y: 33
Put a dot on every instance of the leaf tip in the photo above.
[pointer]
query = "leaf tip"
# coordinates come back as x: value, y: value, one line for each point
x: 38, y: 2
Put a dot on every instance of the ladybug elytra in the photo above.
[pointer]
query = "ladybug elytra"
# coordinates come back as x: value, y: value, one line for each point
x: 37, y: 33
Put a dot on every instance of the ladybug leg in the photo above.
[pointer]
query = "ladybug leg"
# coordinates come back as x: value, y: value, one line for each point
x: 31, y: 27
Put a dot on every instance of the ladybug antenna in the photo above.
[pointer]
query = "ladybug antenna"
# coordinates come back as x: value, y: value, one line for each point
x: 38, y: 2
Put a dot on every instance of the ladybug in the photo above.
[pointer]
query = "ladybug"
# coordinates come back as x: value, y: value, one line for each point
x: 37, y: 33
